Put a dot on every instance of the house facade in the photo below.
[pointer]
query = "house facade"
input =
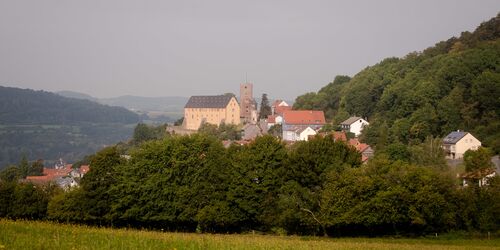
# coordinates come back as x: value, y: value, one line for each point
x: 354, y: 125
x: 457, y: 142
x: 211, y: 109
x: 297, y: 121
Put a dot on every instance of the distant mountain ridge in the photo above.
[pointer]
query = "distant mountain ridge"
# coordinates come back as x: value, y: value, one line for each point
x: 136, y: 103
x: 26, y: 106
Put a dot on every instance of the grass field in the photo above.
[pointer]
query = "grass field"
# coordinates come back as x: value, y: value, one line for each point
x: 44, y: 235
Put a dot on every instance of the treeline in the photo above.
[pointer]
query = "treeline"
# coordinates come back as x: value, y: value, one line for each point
x: 25, y: 106
x: 452, y: 85
x: 319, y: 187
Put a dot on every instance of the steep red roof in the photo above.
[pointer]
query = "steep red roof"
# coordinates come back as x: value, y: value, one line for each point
x: 358, y: 145
x: 281, y: 109
x: 304, y: 117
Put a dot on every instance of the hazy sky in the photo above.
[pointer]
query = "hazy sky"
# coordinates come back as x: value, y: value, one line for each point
x: 109, y: 48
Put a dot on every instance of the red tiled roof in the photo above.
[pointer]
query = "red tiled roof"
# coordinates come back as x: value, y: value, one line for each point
x: 358, y: 145
x: 50, y: 174
x: 339, y: 136
x: 84, y: 169
x: 281, y: 109
x: 304, y: 117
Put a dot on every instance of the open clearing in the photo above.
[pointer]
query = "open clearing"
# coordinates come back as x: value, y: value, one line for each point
x: 46, y: 235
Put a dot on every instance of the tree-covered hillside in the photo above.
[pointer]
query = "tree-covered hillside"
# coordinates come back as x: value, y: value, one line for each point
x: 25, y: 106
x: 43, y: 125
x: 452, y: 85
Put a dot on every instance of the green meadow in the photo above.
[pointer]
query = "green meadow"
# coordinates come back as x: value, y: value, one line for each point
x: 47, y: 235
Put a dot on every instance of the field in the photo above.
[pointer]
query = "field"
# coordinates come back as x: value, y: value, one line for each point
x: 45, y: 235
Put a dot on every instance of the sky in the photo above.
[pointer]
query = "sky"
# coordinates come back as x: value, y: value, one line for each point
x: 108, y: 48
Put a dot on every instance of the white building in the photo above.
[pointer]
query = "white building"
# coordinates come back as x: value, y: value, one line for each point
x: 457, y: 142
x: 299, y: 134
x: 354, y: 125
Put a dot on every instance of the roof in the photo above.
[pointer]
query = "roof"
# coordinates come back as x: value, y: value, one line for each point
x: 351, y: 120
x: 360, y: 147
x: 50, y: 174
x: 208, y: 101
x: 304, y: 117
x: 454, y: 137
x: 302, y: 129
x: 339, y: 136
x: 84, y: 169
x: 277, y: 103
x: 281, y: 109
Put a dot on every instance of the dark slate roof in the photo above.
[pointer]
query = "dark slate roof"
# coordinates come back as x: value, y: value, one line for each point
x: 351, y: 120
x: 454, y: 137
x: 208, y: 101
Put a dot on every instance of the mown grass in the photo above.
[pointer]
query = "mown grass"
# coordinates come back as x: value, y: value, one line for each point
x: 46, y: 235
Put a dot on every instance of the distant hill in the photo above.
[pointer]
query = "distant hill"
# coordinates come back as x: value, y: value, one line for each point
x: 136, y: 103
x: 452, y: 85
x: 77, y: 95
x: 26, y: 106
x: 166, y: 103
x: 43, y: 125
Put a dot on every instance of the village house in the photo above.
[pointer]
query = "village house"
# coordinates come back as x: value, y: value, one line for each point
x: 211, y: 109
x: 296, y: 122
x: 365, y: 149
x: 64, y: 176
x: 354, y: 125
x: 277, y: 109
x: 457, y: 142
x: 480, y: 177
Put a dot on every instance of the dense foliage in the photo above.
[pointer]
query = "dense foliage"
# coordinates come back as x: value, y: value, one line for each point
x: 319, y: 187
x: 453, y: 85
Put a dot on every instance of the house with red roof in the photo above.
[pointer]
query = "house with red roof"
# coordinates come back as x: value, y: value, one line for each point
x: 365, y: 149
x: 63, y: 176
x: 298, y: 120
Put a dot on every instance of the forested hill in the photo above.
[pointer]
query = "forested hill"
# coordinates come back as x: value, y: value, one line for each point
x: 25, y: 106
x: 452, y: 85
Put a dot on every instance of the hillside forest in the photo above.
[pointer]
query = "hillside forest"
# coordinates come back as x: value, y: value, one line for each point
x: 43, y: 125
x: 453, y: 85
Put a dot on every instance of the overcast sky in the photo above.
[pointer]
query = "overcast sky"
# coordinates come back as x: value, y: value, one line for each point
x: 108, y: 48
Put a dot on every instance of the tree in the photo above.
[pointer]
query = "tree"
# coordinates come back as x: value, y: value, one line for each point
x: 36, y: 168
x: 9, y: 174
x: 265, y: 109
x: 179, y: 121
x: 97, y: 183
x: 477, y: 159
x: 429, y: 153
x: 276, y: 130
x: 144, y: 132
x: 24, y: 167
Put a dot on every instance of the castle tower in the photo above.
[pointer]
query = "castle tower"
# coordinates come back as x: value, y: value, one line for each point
x: 247, y: 103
